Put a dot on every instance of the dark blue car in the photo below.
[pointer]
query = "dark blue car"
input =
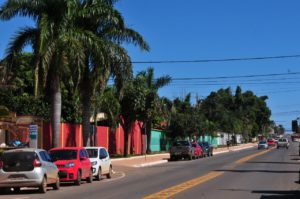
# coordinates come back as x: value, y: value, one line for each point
x: 207, y: 149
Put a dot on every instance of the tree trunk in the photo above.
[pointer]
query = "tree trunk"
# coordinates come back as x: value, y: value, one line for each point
x: 148, y: 132
x: 112, y: 140
x: 55, y: 110
x: 86, y: 107
x: 36, y: 79
x: 126, y: 133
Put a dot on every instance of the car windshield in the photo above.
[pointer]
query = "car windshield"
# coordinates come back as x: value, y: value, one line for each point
x: 93, y: 153
x: 63, y: 155
x: 262, y: 142
x: 181, y: 143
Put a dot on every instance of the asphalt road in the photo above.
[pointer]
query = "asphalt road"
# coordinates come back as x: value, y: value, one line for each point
x: 249, y: 173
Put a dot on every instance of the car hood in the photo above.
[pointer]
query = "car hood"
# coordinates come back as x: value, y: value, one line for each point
x: 93, y: 159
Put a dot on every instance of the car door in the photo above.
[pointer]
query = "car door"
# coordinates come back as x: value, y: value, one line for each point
x: 47, y: 165
x: 85, y: 162
x: 104, y: 160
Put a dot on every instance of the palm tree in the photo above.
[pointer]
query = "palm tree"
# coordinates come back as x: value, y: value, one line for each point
x: 111, y: 60
x: 152, y: 86
x: 57, y: 41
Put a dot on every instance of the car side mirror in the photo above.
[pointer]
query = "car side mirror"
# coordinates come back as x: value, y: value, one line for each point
x: 83, y: 158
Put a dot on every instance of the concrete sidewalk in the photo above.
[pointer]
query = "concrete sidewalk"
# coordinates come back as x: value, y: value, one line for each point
x: 150, y: 160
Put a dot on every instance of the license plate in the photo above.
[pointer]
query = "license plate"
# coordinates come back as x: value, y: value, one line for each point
x: 16, y: 179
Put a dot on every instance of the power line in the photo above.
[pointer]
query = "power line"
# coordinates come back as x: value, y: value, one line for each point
x: 238, y: 76
x: 216, y: 60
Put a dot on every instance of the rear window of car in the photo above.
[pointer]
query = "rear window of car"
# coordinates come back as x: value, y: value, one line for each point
x: 63, y: 155
x: 282, y: 140
x: 18, y: 161
x: 181, y: 143
x: 270, y: 140
x: 262, y: 142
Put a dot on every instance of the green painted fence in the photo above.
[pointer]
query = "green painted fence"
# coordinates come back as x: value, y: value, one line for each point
x: 159, y: 141
x: 212, y: 140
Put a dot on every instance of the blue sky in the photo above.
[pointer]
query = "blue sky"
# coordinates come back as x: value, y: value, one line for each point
x: 215, y: 29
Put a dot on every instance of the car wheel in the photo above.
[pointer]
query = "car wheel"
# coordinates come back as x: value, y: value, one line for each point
x: 43, y: 186
x: 89, y: 179
x: 99, y: 175
x: 5, y: 190
x: 56, y: 185
x: 17, y: 189
x: 109, y: 173
x: 78, y: 180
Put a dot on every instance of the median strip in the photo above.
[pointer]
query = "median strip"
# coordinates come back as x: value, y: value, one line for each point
x: 167, y: 193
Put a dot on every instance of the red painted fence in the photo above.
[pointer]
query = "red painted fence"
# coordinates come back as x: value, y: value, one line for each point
x: 71, y: 135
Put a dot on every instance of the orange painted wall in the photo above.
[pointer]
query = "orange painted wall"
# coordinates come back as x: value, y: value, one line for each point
x: 71, y: 135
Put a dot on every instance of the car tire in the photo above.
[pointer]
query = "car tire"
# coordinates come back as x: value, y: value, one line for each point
x: 99, y: 174
x: 56, y: 185
x: 78, y: 180
x: 17, y: 189
x: 109, y: 175
x: 89, y: 179
x: 43, y: 186
x: 5, y: 190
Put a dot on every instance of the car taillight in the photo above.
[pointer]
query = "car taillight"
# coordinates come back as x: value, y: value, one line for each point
x: 1, y: 164
x: 37, y: 163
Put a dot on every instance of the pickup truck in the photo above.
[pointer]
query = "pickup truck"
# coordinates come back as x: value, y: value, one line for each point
x: 182, y: 149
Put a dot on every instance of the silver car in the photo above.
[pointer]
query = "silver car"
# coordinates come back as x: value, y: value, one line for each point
x: 263, y: 145
x: 28, y: 167
x: 283, y: 142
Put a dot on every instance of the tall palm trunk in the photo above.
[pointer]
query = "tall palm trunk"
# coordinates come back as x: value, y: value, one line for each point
x: 55, y: 109
x: 86, y: 108
x: 126, y: 127
x: 148, y: 132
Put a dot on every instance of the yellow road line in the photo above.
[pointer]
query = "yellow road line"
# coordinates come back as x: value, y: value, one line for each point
x: 167, y: 193
x: 247, y: 158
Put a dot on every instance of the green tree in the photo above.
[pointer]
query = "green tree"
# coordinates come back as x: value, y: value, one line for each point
x: 149, y: 112
x: 57, y: 41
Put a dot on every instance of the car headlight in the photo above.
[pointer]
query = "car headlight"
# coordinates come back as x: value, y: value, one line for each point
x: 94, y: 163
x: 70, y: 165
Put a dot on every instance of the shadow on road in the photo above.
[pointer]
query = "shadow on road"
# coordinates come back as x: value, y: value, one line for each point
x: 274, y: 162
x: 255, y: 171
x: 268, y: 194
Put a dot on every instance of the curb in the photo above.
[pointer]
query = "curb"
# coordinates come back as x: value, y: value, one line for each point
x: 138, y: 157
x: 150, y: 164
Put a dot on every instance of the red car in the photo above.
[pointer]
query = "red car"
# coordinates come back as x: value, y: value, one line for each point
x: 271, y: 142
x: 73, y: 164
x: 197, y: 149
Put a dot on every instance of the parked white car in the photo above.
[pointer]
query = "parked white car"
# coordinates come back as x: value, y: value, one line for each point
x: 101, y: 162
